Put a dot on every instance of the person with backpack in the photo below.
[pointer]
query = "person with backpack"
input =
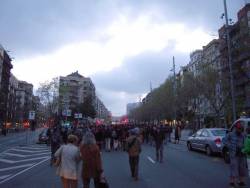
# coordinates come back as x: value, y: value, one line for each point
x: 134, y: 150
x: 238, y: 162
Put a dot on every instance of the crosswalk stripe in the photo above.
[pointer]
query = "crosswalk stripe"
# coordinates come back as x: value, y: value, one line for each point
x: 33, y: 148
x: 13, y: 154
x: 16, y: 167
x: 21, y: 155
x: 5, y: 176
x: 28, y: 151
x: 23, y: 171
x: 24, y: 160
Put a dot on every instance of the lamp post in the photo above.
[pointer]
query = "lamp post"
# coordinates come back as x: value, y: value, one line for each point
x: 230, y: 61
x: 174, y: 88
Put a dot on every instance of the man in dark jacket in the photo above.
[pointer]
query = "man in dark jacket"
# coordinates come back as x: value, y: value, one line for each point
x: 134, y: 150
x: 159, y: 137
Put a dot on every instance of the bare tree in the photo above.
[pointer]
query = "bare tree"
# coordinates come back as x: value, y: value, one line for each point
x: 48, y: 92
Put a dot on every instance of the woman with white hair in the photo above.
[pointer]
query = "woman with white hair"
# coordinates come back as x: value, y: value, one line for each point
x: 91, y: 158
x: 68, y: 156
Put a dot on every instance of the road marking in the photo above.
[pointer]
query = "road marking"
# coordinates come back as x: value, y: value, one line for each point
x: 151, y: 160
x: 5, y: 176
x: 33, y: 148
x: 24, y: 160
x: 216, y: 159
x: 20, y: 155
x: 16, y: 167
x: 23, y: 171
x: 28, y: 151
x: 13, y: 154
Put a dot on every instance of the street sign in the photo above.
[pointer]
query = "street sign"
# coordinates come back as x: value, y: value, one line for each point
x: 78, y: 115
x: 66, y: 113
x: 32, y: 115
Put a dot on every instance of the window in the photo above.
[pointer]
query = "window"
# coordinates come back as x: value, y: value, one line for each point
x: 204, y: 133
x: 219, y: 132
x: 198, y: 133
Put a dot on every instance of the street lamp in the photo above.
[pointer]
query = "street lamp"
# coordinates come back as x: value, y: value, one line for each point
x: 230, y: 60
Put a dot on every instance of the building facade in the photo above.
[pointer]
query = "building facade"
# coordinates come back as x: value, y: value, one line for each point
x: 24, y: 100
x: 11, y: 105
x: 5, y: 70
x: 240, y: 44
x: 74, y: 90
x: 101, y: 110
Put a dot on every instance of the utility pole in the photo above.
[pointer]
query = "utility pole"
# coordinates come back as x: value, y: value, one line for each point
x: 230, y: 61
x: 151, y: 88
x: 174, y: 88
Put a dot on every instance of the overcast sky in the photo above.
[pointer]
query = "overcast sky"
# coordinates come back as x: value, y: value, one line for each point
x: 123, y: 45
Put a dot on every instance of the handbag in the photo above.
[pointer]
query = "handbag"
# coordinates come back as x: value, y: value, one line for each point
x: 103, y: 182
x: 58, y: 160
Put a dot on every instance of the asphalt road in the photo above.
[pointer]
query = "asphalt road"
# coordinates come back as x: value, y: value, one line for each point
x: 17, y: 139
x: 181, y: 169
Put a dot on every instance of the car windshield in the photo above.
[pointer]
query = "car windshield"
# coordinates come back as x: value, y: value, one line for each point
x: 44, y: 133
x: 219, y: 132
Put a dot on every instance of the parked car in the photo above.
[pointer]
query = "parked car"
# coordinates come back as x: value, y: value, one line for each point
x: 43, y: 138
x: 246, y: 123
x: 208, y: 140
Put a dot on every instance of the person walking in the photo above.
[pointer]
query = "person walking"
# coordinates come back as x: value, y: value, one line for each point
x: 168, y: 133
x: 108, y: 139
x: 69, y: 156
x: 134, y: 150
x: 177, y: 134
x: 159, y: 137
x: 91, y: 161
x: 55, y: 143
x: 115, y: 139
x: 238, y: 162
x: 246, y: 149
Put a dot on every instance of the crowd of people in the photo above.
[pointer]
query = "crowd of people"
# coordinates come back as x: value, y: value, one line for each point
x: 71, y: 146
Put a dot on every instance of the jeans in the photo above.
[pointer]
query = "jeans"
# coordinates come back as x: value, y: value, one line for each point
x: 86, y: 182
x: 107, y: 143
x: 159, y: 153
x: 134, y: 165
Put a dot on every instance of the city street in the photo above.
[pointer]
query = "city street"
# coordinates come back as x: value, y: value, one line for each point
x: 28, y: 167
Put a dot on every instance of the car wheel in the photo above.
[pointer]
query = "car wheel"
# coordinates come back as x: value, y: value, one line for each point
x: 226, y: 156
x: 189, y: 146
x: 208, y: 151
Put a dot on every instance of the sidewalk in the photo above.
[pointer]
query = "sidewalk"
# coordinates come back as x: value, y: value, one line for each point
x: 184, y: 134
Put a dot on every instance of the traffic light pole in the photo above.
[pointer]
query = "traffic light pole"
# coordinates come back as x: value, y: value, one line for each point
x: 230, y: 62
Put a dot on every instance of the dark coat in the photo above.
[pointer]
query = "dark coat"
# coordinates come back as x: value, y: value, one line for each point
x: 92, y: 164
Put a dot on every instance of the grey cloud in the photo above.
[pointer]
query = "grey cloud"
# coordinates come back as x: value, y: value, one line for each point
x: 194, y: 13
x: 133, y: 78
x: 135, y: 74
x: 29, y: 26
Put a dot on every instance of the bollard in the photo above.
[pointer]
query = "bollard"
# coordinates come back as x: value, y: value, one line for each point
x: 248, y: 164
